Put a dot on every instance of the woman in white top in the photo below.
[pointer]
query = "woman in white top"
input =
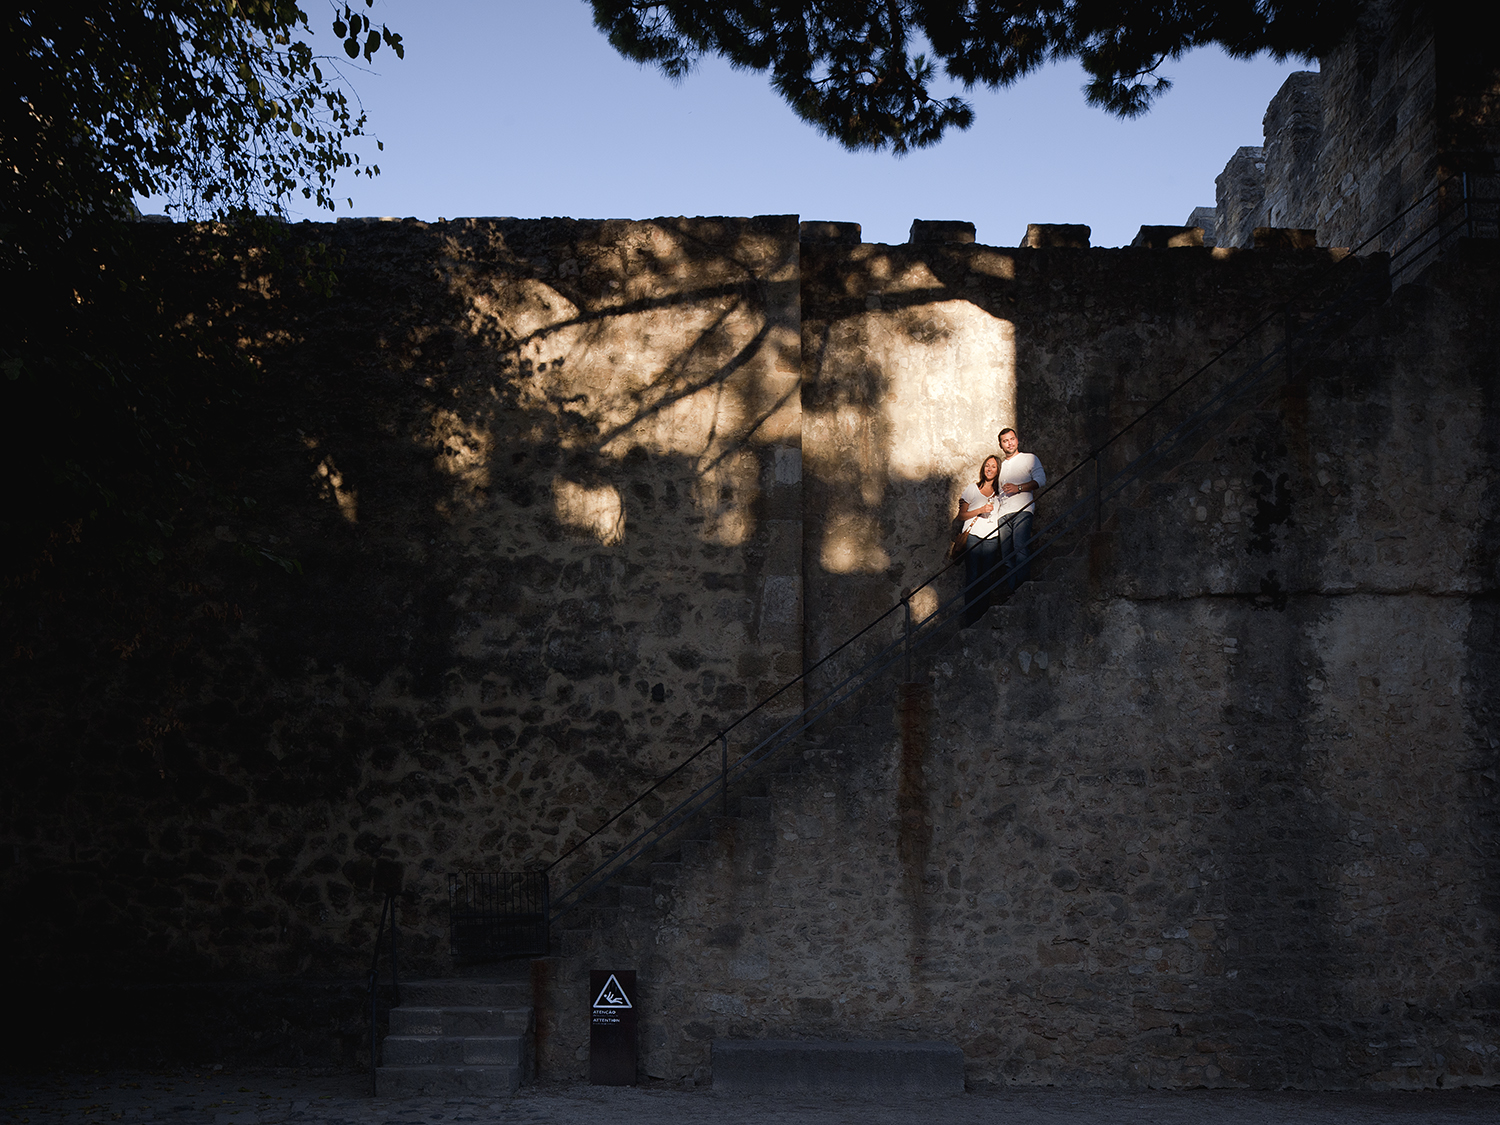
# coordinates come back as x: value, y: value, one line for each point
x: 980, y: 513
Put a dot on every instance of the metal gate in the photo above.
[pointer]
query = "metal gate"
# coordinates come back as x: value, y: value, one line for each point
x: 493, y: 915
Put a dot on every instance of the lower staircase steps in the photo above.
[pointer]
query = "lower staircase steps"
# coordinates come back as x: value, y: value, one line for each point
x: 472, y: 1036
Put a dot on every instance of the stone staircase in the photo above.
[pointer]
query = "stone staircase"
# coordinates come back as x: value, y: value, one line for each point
x: 742, y: 838
x: 645, y: 890
x: 742, y: 833
x: 462, y: 1036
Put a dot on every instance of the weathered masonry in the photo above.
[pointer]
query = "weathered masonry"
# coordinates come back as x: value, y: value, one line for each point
x: 1399, y: 114
x: 1213, y: 801
x: 1219, y: 806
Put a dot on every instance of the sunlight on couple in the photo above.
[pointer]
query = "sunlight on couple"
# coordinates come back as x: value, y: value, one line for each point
x: 995, y: 514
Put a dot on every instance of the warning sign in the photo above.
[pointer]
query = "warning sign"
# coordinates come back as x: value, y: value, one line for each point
x: 612, y: 996
x: 612, y: 1042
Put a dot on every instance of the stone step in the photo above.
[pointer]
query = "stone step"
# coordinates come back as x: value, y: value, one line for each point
x: 453, y: 1050
x: 410, y: 1020
x: 487, y: 992
x: 872, y: 1068
x: 430, y: 1081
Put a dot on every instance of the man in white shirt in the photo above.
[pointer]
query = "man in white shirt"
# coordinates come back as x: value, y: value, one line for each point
x: 1021, y: 475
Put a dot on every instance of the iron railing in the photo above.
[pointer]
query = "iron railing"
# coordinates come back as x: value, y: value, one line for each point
x: 387, y: 909
x: 1299, y: 329
x: 494, y: 915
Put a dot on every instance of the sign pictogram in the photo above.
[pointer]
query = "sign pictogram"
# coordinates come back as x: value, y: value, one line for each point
x: 612, y: 996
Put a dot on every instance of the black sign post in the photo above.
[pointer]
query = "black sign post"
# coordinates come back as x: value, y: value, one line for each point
x: 612, y: 1027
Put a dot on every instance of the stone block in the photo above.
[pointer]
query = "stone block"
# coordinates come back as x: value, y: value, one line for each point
x: 841, y: 234
x: 926, y: 232
x: 868, y: 1068
x: 452, y: 1050
x: 1285, y: 238
x: 1206, y: 219
x: 1294, y: 133
x: 1239, y: 195
x: 458, y: 1021
x: 1056, y: 236
x: 1161, y: 238
x: 466, y: 993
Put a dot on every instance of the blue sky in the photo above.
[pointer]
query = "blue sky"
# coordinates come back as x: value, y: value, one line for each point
x: 520, y: 107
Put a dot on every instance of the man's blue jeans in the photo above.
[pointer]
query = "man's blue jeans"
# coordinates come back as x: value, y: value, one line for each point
x: 1015, y: 549
x: 980, y: 561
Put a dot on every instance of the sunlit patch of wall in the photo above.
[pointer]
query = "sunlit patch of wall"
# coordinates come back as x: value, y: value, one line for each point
x: 329, y: 481
x: 660, y: 363
x: 943, y: 379
x: 462, y: 450
x: 593, y: 512
x: 909, y: 378
x: 346, y: 498
x: 617, y: 409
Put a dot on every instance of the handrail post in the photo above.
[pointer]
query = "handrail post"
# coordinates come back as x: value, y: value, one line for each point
x: 395, y: 962
x: 1468, y: 205
x: 386, y: 905
x: 1286, y: 339
x: 724, y: 772
x: 1098, y: 493
x: 373, y: 1056
x: 906, y: 645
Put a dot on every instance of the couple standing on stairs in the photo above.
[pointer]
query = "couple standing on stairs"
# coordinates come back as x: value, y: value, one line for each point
x: 996, y: 513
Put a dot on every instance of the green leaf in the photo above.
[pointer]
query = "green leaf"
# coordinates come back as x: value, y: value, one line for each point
x: 351, y: 48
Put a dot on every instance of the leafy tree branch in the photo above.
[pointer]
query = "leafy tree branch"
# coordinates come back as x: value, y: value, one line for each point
x: 224, y: 108
x: 857, y: 70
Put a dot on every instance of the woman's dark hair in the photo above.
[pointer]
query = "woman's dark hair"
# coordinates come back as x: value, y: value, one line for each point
x: 982, y: 464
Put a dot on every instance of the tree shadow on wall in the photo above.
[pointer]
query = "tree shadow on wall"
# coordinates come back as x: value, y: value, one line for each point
x: 469, y: 662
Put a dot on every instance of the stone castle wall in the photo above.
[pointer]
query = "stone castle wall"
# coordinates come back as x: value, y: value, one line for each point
x: 1158, y: 821
x: 568, y: 496
x: 540, y: 482
x: 1363, y: 151
x: 526, y: 511
x: 1293, y: 127
x: 1382, y: 118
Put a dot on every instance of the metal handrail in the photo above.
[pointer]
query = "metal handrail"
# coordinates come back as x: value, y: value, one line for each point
x: 388, y: 907
x: 917, y: 634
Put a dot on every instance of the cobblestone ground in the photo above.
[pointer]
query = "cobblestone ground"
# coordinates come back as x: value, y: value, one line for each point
x: 263, y: 1098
